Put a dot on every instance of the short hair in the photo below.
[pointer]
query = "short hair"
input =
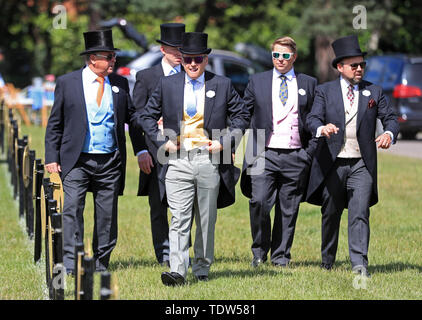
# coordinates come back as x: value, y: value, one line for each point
x: 285, y: 41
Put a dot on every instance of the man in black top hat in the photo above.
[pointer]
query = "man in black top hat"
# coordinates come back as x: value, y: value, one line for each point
x: 195, y: 153
x: 146, y: 81
x: 344, y: 169
x: 85, y: 143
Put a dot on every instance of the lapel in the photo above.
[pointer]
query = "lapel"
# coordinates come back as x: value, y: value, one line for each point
x: 177, y: 95
x: 363, y: 102
x: 210, y: 86
x: 266, y: 86
x: 339, y: 102
x: 80, y: 96
x: 302, y: 99
x: 115, y: 96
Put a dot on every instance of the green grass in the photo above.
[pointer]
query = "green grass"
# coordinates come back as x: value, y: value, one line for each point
x: 395, y: 253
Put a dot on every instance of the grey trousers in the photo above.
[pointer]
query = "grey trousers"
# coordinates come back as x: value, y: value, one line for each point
x: 99, y: 173
x: 192, y: 182
x: 349, y: 184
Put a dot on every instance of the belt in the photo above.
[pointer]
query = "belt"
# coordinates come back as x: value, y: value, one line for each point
x: 191, y: 153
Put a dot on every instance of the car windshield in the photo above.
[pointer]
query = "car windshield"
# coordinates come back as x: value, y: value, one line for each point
x: 413, y: 74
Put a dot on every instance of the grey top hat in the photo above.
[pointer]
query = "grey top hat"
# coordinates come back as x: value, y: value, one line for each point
x: 98, y: 40
x: 346, y: 47
x: 194, y: 43
x: 171, y: 34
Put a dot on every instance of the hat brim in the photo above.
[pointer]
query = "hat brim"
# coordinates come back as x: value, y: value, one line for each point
x: 170, y: 44
x: 205, y: 51
x: 338, y: 59
x: 93, y: 50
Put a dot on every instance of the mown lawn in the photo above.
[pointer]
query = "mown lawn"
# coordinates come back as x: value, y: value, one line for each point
x: 395, y: 254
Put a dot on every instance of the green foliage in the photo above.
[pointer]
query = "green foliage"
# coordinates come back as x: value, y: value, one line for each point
x: 67, y: 44
x: 36, y: 48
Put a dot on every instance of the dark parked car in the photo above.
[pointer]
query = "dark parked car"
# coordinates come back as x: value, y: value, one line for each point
x: 221, y: 62
x: 400, y: 76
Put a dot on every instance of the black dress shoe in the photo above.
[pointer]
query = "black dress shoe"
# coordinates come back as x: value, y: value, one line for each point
x: 202, y: 278
x: 326, y: 266
x: 256, y: 262
x: 281, y: 264
x: 361, y: 270
x: 172, y: 279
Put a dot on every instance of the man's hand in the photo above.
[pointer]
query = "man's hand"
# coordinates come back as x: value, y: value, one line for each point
x: 214, y: 146
x: 171, y: 146
x: 384, y: 141
x: 328, y: 130
x: 145, y: 162
x: 53, y: 167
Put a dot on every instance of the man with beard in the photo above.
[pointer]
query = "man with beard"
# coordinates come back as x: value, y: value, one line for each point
x: 344, y: 169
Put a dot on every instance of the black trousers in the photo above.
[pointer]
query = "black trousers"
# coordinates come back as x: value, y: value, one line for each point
x: 282, y: 182
x: 159, y: 220
x: 99, y: 173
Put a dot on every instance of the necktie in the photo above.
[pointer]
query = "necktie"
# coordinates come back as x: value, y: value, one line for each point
x: 283, y: 94
x: 172, y: 71
x: 100, y: 90
x: 351, y: 97
x: 191, y: 103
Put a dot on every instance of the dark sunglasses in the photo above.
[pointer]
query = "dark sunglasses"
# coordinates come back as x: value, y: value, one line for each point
x: 285, y: 55
x: 355, y: 65
x: 197, y: 59
x: 108, y: 57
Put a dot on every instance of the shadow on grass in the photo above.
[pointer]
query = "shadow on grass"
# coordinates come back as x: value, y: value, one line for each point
x: 132, y: 263
x: 248, y: 273
x: 394, y: 267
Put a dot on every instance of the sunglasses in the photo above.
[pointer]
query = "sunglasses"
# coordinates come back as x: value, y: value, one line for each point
x: 197, y: 59
x: 355, y: 65
x: 285, y: 55
x: 108, y: 57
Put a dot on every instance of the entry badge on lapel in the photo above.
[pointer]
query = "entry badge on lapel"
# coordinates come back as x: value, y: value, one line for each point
x: 210, y: 94
x: 302, y: 92
x: 115, y: 89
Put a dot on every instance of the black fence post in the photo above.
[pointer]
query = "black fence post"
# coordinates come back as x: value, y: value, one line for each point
x: 38, y: 176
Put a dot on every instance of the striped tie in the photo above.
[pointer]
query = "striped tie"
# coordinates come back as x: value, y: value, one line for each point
x: 351, y: 97
x: 172, y: 71
x: 283, y: 94
x: 191, y: 103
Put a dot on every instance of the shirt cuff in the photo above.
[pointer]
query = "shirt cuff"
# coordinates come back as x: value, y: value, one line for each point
x: 391, y: 135
x: 141, y: 152
x: 318, y: 132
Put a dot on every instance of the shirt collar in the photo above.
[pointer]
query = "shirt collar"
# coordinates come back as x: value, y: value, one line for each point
x: 345, y: 84
x: 90, y: 76
x: 167, y: 67
x: 200, y: 79
x: 289, y: 75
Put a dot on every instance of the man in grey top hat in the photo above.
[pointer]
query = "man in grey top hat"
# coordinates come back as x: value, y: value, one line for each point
x: 85, y: 142
x: 344, y: 169
x: 196, y: 106
x: 146, y: 82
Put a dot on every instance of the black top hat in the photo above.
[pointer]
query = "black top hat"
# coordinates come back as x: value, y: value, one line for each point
x: 98, y: 40
x: 346, y: 47
x: 194, y: 43
x: 171, y: 34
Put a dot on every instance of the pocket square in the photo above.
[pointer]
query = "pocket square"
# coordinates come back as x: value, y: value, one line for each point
x: 371, y: 103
